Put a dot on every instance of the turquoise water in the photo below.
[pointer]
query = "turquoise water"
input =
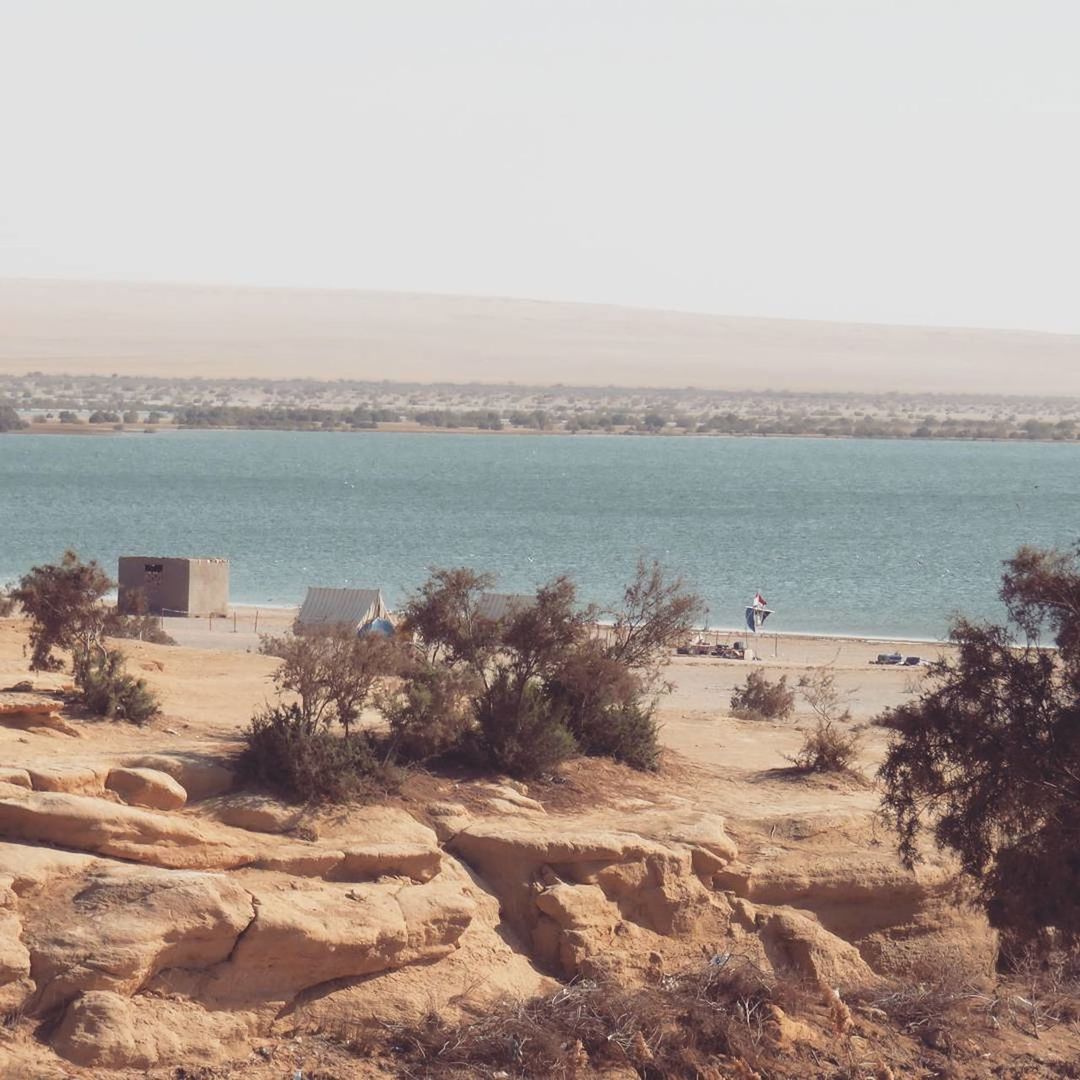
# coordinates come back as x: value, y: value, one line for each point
x: 868, y: 537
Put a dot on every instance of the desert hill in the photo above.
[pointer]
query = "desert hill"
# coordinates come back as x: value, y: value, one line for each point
x: 183, y: 330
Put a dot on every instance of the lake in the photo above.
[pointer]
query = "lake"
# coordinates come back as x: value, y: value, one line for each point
x: 869, y: 537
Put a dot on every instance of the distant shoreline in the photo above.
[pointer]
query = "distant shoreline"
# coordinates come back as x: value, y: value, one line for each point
x: 82, y: 429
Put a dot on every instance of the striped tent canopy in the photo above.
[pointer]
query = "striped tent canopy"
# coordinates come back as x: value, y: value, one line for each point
x: 496, y: 606
x: 355, y: 608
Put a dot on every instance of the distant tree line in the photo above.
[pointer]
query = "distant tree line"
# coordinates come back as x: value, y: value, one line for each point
x: 648, y: 422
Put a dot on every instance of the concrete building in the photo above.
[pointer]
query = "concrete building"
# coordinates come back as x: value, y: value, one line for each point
x: 354, y: 609
x: 170, y: 586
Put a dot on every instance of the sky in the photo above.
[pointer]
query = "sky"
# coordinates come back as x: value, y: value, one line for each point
x: 915, y: 161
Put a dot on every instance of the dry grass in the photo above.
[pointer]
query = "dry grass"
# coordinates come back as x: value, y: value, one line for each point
x: 682, y: 1027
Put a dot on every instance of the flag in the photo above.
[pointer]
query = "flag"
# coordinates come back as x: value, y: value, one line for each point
x: 757, y: 613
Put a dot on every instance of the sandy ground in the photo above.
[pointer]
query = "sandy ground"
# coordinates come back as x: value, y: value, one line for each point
x: 212, y: 683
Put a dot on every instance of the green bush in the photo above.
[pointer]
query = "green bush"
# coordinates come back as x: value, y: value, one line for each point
x: 430, y: 712
x: 285, y: 753
x: 106, y: 689
x: 520, y: 731
x: 606, y: 708
x: 627, y: 732
x: 760, y: 699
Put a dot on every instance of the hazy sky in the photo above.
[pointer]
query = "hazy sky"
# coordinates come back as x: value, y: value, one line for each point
x: 908, y: 161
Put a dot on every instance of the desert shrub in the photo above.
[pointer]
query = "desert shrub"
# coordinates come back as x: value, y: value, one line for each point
x: 760, y: 699
x: 333, y: 672
x: 827, y: 702
x: 430, y: 711
x: 604, y: 708
x: 827, y: 749
x: 444, y: 616
x: 542, y: 685
x: 63, y: 603
x: 139, y: 628
x: 285, y: 753
x: 519, y: 729
x: 627, y: 732
x: 106, y: 689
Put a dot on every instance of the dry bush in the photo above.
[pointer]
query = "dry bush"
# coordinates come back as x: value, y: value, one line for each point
x: 333, y: 671
x: 677, y: 1029
x: 760, y: 699
x: 925, y: 1005
x: 826, y: 700
x: 1040, y: 985
x: 1037, y: 990
x: 138, y: 628
x: 827, y: 749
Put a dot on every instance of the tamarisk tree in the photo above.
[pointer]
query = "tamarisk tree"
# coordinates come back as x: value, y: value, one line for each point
x: 987, y: 759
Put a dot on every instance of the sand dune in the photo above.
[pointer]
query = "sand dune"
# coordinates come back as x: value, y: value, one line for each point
x: 177, y: 330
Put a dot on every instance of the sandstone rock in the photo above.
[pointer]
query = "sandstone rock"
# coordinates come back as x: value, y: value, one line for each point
x: 903, y: 923
x: 487, y: 964
x: 448, y: 819
x: 652, y: 884
x: 9, y: 774
x: 796, y: 944
x: 84, y: 779
x: 420, y: 862
x: 101, y: 1030
x: 27, y: 712
x: 583, y: 919
x: 318, y: 932
x: 32, y: 868
x: 943, y: 934
x: 704, y: 833
x: 146, y: 787
x: 257, y: 813
x: 126, y: 924
x: 97, y: 1030
x: 375, y: 824
x: 743, y: 913
x: 506, y: 799
x: 301, y: 860
x: 126, y: 832
x: 199, y: 776
x: 14, y: 955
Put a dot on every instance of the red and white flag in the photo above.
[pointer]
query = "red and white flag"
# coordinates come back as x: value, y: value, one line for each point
x: 760, y: 601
